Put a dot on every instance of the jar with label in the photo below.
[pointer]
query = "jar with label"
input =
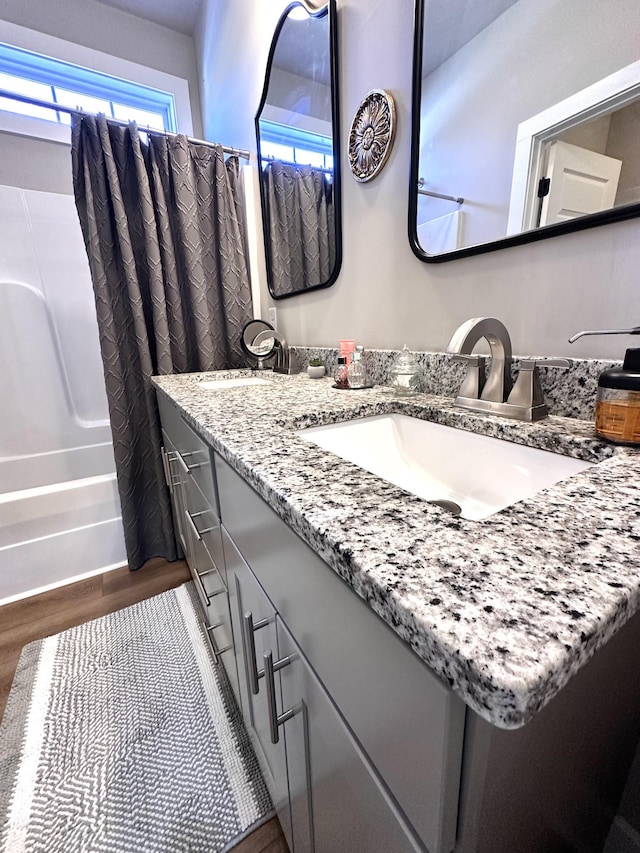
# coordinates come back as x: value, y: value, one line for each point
x: 618, y: 401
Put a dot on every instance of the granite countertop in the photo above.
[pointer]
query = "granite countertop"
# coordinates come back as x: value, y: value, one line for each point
x: 505, y: 609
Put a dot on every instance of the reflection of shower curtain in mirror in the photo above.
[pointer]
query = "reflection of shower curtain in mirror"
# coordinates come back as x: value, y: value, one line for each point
x: 301, y: 228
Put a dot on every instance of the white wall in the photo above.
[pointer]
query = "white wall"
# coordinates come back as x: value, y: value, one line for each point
x: 384, y: 296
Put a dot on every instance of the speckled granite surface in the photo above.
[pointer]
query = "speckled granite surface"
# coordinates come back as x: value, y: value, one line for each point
x: 505, y: 609
x: 568, y: 393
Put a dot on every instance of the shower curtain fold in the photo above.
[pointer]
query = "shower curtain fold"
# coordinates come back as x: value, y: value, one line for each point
x: 163, y: 230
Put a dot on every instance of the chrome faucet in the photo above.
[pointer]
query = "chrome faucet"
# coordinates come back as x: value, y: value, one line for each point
x: 525, y: 402
x: 461, y: 345
x: 282, y: 363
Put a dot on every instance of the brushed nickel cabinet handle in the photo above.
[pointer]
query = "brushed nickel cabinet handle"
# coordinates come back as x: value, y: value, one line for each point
x: 249, y: 627
x: 192, y: 524
x: 185, y: 465
x: 209, y: 635
x: 275, y: 720
x: 166, y: 469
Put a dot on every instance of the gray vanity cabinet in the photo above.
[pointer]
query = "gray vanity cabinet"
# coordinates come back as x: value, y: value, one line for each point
x: 254, y: 631
x: 371, y: 721
x: 190, y: 475
x: 327, y: 796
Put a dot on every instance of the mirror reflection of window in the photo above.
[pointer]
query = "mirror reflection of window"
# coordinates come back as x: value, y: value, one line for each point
x: 490, y: 72
x: 296, y: 128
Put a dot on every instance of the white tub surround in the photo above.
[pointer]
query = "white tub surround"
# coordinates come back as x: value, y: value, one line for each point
x: 59, y: 506
x: 506, y: 609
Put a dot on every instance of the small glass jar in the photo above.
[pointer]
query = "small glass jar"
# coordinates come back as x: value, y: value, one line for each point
x: 340, y: 373
x: 356, y: 373
x: 405, y: 374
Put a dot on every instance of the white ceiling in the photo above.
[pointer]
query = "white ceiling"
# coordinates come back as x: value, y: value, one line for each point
x: 180, y: 15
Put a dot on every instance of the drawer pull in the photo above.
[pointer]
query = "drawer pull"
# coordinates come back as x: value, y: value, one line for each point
x: 185, y: 465
x: 210, y: 642
x: 248, y: 627
x: 166, y: 469
x: 209, y: 595
x: 214, y: 651
x: 192, y: 524
x: 199, y: 533
x: 275, y: 720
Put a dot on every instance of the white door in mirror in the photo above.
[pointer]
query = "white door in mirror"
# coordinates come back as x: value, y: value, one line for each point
x: 582, y: 182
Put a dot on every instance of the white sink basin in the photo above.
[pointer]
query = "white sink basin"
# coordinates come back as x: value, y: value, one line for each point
x: 482, y: 475
x: 221, y: 384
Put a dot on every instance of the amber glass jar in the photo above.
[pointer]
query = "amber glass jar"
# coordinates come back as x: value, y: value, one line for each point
x: 618, y: 402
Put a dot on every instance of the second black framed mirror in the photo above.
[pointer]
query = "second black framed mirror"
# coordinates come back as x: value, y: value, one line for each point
x: 525, y: 114
x: 297, y: 129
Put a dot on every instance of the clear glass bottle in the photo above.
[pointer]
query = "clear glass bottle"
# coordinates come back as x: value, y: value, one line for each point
x: 340, y: 373
x: 356, y: 374
x: 405, y: 374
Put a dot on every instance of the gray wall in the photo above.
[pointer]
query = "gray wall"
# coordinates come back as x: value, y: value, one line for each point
x: 384, y: 296
x: 535, y: 55
x: 42, y: 165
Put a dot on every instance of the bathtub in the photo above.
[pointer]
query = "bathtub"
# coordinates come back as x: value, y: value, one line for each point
x: 59, y: 507
x: 63, y: 531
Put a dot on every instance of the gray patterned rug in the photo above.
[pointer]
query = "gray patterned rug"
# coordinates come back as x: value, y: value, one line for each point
x: 121, y: 735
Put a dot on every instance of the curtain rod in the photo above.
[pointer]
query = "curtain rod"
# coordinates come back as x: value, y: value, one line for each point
x: 239, y: 152
x: 422, y: 191
x: 291, y: 163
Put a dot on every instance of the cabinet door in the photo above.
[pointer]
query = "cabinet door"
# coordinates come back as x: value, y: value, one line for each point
x: 210, y: 582
x: 338, y: 802
x: 176, y: 480
x: 251, y: 608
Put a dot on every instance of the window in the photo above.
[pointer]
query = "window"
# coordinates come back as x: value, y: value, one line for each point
x: 282, y: 142
x: 56, y: 82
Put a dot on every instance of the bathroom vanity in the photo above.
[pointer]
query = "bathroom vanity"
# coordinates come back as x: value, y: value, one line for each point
x: 411, y: 680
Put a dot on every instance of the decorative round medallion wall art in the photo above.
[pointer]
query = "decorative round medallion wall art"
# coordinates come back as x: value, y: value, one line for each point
x: 371, y: 136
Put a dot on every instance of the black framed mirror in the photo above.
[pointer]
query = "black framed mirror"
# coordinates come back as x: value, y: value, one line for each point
x: 297, y: 129
x: 526, y: 115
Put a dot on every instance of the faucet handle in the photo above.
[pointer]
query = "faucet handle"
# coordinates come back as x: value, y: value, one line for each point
x: 532, y: 363
x: 527, y: 391
x: 474, y: 377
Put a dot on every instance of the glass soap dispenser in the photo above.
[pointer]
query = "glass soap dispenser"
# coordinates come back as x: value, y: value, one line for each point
x: 618, y: 396
x: 618, y: 402
x: 405, y: 374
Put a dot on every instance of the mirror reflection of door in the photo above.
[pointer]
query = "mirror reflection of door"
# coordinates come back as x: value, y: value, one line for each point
x: 580, y: 182
x: 296, y: 127
x: 484, y: 73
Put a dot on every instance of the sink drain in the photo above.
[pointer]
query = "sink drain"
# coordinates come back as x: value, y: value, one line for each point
x: 450, y: 506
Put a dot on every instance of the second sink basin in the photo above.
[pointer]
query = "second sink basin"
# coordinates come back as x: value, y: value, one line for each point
x: 480, y: 474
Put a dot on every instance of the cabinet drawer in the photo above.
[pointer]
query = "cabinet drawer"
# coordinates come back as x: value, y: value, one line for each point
x: 193, y: 454
x: 413, y: 728
x: 246, y: 597
x: 174, y: 478
x: 337, y: 800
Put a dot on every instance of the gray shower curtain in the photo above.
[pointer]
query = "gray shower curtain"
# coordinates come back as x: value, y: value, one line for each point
x: 301, y: 226
x: 164, y: 237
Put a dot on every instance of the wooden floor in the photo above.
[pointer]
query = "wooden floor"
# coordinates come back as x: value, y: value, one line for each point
x: 51, y: 612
